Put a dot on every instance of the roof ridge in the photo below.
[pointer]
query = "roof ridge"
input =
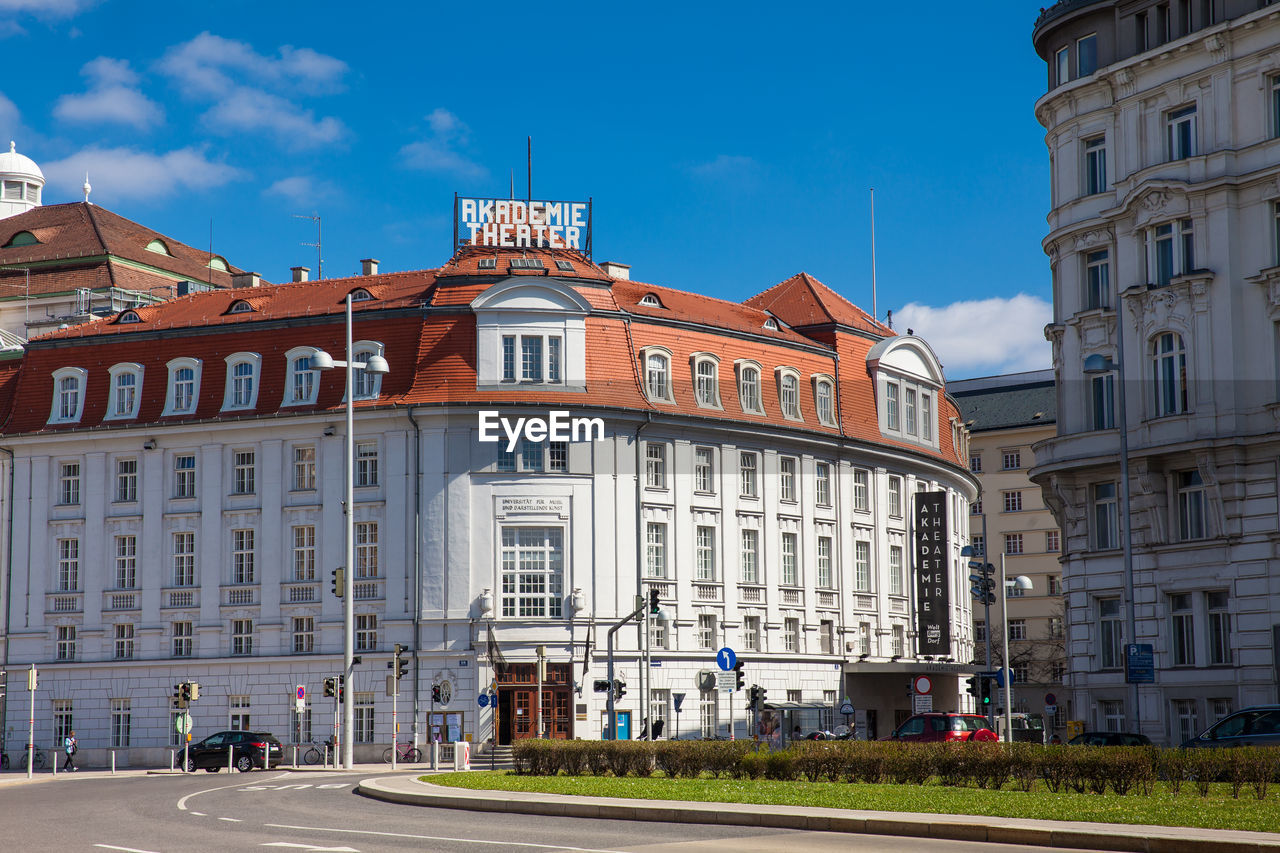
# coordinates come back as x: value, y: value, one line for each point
x: 761, y: 311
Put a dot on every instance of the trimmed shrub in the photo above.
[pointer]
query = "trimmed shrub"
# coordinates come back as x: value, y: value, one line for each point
x: 780, y: 766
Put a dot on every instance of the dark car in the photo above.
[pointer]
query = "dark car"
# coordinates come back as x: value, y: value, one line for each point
x: 1109, y: 739
x: 251, y: 749
x: 943, y: 727
x: 1256, y: 726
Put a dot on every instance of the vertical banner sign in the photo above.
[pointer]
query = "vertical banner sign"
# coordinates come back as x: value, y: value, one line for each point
x: 933, y: 591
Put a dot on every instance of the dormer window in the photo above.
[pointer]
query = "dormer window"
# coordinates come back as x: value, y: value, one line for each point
x: 242, y: 381
x: 656, y: 363
x: 361, y: 295
x: 824, y: 399
x: 531, y: 331
x: 908, y: 380
x: 68, y: 395
x: 125, y: 391
x: 749, y: 387
x: 128, y: 317
x: 184, y: 387
x: 367, y: 385
x: 649, y: 300
x: 22, y: 238
x: 706, y: 380
x: 301, y: 383
x: 159, y: 247
x: 217, y: 263
x: 771, y: 325
x: 488, y: 264
x: 526, y: 264
x: 240, y: 306
x: 789, y: 393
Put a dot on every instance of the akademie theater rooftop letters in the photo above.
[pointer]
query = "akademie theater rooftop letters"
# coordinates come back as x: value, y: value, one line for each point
x: 175, y: 475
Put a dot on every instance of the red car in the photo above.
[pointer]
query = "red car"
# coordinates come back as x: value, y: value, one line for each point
x: 938, y: 727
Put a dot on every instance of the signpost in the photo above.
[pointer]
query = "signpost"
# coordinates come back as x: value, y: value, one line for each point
x: 1139, y: 663
x: 933, y: 591
x: 846, y: 708
x: 727, y: 659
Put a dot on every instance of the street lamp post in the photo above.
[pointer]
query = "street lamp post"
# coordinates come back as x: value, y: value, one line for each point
x: 1020, y: 582
x: 1099, y: 365
x: 376, y: 365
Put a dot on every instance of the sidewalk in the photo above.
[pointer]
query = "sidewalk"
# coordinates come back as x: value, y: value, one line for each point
x: 14, y: 777
x: 1077, y: 835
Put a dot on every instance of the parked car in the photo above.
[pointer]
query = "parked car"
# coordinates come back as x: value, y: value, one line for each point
x: 1027, y: 728
x: 251, y: 749
x: 1109, y: 739
x: 1256, y: 726
x: 943, y: 727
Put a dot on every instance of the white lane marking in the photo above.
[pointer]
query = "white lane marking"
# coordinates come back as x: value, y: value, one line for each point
x: 231, y: 819
x: 182, y: 803
x: 126, y: 849
x: 311, y: 848
x: 442, y: 838
x: 198, y: 814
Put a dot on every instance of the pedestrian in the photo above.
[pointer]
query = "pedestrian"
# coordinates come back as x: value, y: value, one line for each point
x: 69, y: 745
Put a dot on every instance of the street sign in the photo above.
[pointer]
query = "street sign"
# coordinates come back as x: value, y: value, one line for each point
x: 922, y: 684
x: 922, y: 703
x: 677, y: 699
x: 1050, y: 699
x: 1140, y: 663
x: 483, y: 700
x: 726, y: 682
x: 726, y: 658
x: 846, y: 708
x: 1050, y: 710
x: 182, y: 723
x: 302, y: 692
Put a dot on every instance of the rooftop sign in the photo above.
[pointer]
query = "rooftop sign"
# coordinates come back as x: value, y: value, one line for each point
x: 510, y: 223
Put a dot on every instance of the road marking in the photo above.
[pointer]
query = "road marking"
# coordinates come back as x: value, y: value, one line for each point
x: 311, y: 847
x: 231, y: 819
x: 182, y: 803
x: 126, y: 849
x: 443, y: 838
x: 198, y: 814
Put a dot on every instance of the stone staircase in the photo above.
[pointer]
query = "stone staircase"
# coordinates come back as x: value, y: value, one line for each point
x: 500, y: 756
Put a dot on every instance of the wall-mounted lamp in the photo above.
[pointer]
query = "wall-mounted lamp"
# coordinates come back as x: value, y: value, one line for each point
x: 149, y: 444
x: 577, y: 601
x: 329, y: 431
x: 485, y: 602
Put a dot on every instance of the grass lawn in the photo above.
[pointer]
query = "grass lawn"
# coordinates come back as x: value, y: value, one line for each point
x: 1217, y: 811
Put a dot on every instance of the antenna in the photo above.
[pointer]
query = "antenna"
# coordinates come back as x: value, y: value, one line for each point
x: 875, y: 314
x: 210, y: 270
x: 512, y: 192
x: 315, y: 217
x: 530, y: 168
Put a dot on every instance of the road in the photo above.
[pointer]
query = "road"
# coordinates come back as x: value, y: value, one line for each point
x: 301, y: 812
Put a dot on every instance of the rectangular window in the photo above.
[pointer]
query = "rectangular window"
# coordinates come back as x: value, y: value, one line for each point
x: 1013, y: 543
x: 1275, y: 106
x: 244, y: 479
x: 896, y: 585
x: 1112, y: 713
x: 1055, y: 626
x: 1219, y: 708
x: 123, y: 640
x: 557, y: 456
x: 787, y: 478
x: 748, y: 469
x: 1141, y: 36
x: 751, y: 633
x: 824, y: 563
x: 1087, y: 55
x: 1180, y: 132
x: 531, y: 358
x: 241, y: 636
x: 126, y: 480
x: 862, y: 566
x: 68, y: 565
x: 827, y: 636
x: 909, y: 407
x: 1191, y: 516
x: 239, y: 713
x: 66, y: 642
x: 979, y: 631
x: 554, y: 358
x: 1017, y: 629
x: 1182, y: 640
x: 822, y: 483
x: 366, y: 463
x: 1219, y: 628
x: 704, y: 470
x: 304, y: 634
x: 367, y: 549
x: 1010, y: 460
x: 706, y: 554
x: 304, y: 552
x: 975, y: 463
x: 926, y: 416
x: 750, y: 568
x: 892, y: 411
x: 1184, y: 712
x: 659, y: 638
x: 1062, y: 64
x: 242, y: 556
x: 62, y: 720
x: 656, y: 550
x: 1110, y: 633
x: 708, y: 706
x: 707, y: 630
x: 1106, y: 517
x: 655, y: 465
x: 979, y: 543
x: 1103, y: 393
x: 508, y: 358
x: 304, y: 469
x: 864, y: 638
x: 363, y: 722
x: 1055, y: 585
x: 366, y: 632
x: 1052, y: 542
x: 791, y: 634
x: 183, y: 637
x: 899, y: 641
x: 184, y: 559
x: 861, y: 490
x: 789, y: 548
x: 1095, y: 165
x: 895, y: 497
x: 532, y: 571
x: 1275, y: 231
x: 531, y: 455
x: 184, y: 475
x: 69, y: 484
x: 121, y: 723
x: 126, y: 562
x: 1013, y: 501
x: 975, y: 508
x: 1097, y: 279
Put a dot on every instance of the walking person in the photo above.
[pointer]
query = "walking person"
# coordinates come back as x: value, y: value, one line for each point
x: 69, y: 745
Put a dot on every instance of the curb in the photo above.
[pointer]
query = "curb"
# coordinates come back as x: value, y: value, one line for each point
x: 1135, y: 839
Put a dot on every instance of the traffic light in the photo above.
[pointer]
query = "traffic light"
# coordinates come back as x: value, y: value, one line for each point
x: 653, y: 600
x: 737, y: 671
x: 755, y: 697
x: 329, y: 687
x: 600, y: 685
x: 983, y: 589
x: 186, y: 691
x: 337, y: 582
x: 975, y: 686
x: 177, y: 695
x: 435, y: 693
x: 193, y: 691
x: 619, y: 688
x: 984, y: 693
x: 342, y: 687
x: 761, y: 697
x: 399, y: 664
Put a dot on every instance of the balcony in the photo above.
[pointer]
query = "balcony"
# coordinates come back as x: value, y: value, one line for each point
x: 119, y: 601
x: 64, y: 602
x: 750, y: 594
x: 708, y: 592
x: 792, y: 597
x: 240, y: 595
x: 300, y: 593
x: 367, y: 590
x: 864, y: 602
x: 827, y: 600
x: 666, y: 591
x: 180, y: 598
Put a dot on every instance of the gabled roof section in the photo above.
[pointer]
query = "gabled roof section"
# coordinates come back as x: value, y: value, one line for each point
x: 803, y: 301
x: 1007, y: 402
x: 466, y: 262
x: 704, y: 310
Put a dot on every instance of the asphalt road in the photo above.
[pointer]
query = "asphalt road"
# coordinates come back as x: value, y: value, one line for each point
x: 315, y: 811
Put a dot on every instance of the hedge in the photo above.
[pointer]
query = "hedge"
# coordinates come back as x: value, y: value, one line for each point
x: 1122, y: 770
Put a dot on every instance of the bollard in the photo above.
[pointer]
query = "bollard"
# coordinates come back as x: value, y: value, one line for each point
x: 54, y: 753
x: 113, y: 762
x: 435, y: 756
x: 295, y: 757
x: 231, y: 762
x: 171, y: 758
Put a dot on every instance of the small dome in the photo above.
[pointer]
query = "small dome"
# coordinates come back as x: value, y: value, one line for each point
x: 13, y: 164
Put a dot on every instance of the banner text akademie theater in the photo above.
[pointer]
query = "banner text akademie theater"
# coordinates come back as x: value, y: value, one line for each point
x: 515, y: 224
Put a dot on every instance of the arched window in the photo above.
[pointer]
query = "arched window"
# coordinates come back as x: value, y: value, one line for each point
x: 823, y: 397
x: 129, y: 317
x: 706, y: 380
x: 650, y: 300
x: 125, y: 391
x: 217, y: 263
x: 159, y: 247
x: 68, y: 394
x: 22, y: 238
x: 658, y: 376
x: 240, y: 306
x: 367, y: 385
x: 1169, y: 374
x: 242, y: 381
x: 301, y: 384
x: 789, y: 393
x: 749, y: 387
x: 361, y: 295
x: 184, y: 387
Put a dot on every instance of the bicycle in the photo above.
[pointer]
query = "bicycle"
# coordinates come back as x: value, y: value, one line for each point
x: 405, y: 752
x: 319, y: 750
x: 38, y: 762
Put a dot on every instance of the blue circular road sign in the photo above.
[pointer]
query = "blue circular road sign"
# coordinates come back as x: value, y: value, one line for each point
x: 726, y: 658
x: 483, y: 700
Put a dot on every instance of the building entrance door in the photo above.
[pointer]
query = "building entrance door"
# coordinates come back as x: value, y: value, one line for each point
x: 518, y: 703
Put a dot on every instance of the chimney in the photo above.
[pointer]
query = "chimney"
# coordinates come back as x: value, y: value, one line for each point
x: 368, y: 266
x: 246, y: 279
x: 300, y: 273
x: 613, y: 269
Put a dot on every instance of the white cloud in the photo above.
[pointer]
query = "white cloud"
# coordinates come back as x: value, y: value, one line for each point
x: 126, y: 173
x: 113, y: 97
x: 250, y: 111
x: 438, y: 151
x: 983, y: 336
x: 726, y: 167
x: 46, y: 8
x: 11, y: 126
x: 209, y: 65
x: 301, y: 189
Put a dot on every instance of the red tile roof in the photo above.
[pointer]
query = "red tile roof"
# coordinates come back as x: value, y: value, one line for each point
x: 803, y: 301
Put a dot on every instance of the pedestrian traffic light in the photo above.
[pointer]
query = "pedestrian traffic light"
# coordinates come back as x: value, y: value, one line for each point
x: 337, y: 582
x: 653, y: 600
x: 975, y: 686
x: 984, y: 693
x: 619, y: 688
x: 740, y: 680
x: 329, y: 687
x: 435, y: 693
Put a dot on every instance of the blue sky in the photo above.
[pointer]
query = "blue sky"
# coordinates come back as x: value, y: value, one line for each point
x: 726, y: 146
